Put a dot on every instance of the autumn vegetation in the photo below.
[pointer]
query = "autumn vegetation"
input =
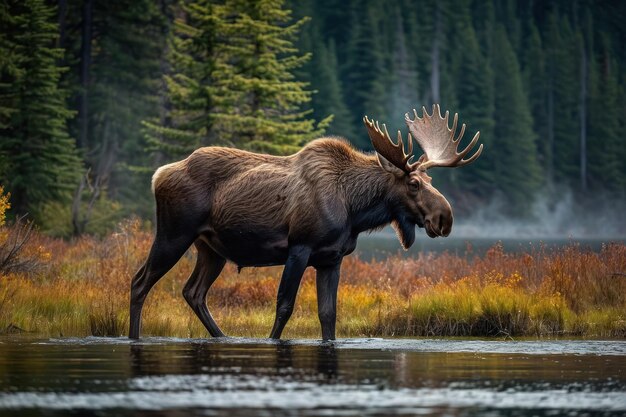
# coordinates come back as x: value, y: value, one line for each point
x: 54, y: 287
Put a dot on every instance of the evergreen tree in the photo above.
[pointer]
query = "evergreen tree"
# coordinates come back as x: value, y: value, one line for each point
x: 621, y: 117
x: 114, y: 53
x: 483, y: 20
x: 124, y: 76
x: 187, y: 108
x: 260, y: 65
x: 10, y: 61
x: 475, y: 97
x: 421, y: 35
x: 563, y: 60
x: 232, y: 81
x: 515, y: 165
x: 534, y: 76
x: 42, y: 162
x: 328, y: 99
x: 506, y: 13
x: 363, y: 72
x: 606, y: 141
x: 404, y: 93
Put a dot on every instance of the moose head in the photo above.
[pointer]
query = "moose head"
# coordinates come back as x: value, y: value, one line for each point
x: 427, y: 206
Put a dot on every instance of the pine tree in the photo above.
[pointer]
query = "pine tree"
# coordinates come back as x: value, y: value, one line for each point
x: 404, y: 93
x: 42, y: 159
x: 113, y: 50
x: 364, y: 72
x: 605, y: 140
x: 475, y: 97
x: 515, y: 165
x: 534, y: 76
x: 260, y: 65
x: 484, y: 20
x: 621, y: 117
x: 328, y: 99
x: 10, y: 60
x: 190, y: 93
x: 124, y: 76
x: 232, y: 81
x: 421, y: 34
x: 563, y: 64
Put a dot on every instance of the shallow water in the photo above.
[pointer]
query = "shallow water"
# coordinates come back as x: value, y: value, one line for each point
x: 250, y: 377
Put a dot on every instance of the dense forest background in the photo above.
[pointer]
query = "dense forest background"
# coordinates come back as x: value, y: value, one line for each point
x: 95, y: 94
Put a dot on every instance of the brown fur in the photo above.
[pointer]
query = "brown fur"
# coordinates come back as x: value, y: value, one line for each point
x: 263, y: 190
x: 302, y: 210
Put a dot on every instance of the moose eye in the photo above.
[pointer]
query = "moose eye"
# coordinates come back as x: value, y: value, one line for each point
x: 414, y: 185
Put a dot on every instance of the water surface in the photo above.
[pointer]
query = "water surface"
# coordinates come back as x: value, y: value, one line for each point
x: 380, y: 245
x: 355, y: 377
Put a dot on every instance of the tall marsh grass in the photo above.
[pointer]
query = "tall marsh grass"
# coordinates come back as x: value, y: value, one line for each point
x: 82, y: 288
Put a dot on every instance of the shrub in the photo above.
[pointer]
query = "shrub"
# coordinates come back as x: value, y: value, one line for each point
x: 15, y: 255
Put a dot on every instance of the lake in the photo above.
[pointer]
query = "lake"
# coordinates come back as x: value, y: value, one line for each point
x: 380, y: 245
x: 355, y: 377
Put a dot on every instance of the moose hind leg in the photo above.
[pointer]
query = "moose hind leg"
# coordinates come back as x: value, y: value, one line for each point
x: 163, y: 256
x: 208, y: 267
x: 288, y: 289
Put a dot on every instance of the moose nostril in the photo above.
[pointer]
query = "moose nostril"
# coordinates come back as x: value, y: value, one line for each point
x: 444, y: 225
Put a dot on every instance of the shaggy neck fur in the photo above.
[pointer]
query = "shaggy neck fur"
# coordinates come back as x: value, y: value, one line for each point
x: 370, y: 196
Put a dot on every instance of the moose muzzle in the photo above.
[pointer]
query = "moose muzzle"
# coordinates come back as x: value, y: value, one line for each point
x: 439, y: 223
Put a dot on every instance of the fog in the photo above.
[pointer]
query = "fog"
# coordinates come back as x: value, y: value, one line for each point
x: 553, y: 218
x: 550, y: 219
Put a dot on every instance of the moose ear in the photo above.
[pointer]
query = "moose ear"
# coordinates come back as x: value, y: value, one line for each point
x: 389, y: 167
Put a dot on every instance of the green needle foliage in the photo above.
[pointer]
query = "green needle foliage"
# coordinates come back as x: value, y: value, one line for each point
x: 517, y: 168
x: 39, y: 158
x: 232, y: 81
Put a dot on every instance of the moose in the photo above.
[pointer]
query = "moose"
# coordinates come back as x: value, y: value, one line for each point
x: 302, y: 210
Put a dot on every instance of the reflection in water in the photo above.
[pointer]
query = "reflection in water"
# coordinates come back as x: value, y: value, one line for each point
x: 327, y: 362
x: 137, y: 361
x: 284, y: 355
x: 244, y: 377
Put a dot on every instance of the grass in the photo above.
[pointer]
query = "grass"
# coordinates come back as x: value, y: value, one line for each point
x: 81, y: 287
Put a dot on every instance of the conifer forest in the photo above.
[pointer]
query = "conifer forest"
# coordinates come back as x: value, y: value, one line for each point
x: 94, y: 95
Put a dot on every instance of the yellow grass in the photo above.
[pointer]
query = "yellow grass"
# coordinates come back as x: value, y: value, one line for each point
x: 81, y: 288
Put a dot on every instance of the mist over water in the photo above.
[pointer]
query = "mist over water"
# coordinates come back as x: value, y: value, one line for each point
x: 552, y: 218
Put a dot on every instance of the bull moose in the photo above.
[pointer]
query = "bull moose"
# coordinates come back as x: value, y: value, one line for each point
x: 306, y: 209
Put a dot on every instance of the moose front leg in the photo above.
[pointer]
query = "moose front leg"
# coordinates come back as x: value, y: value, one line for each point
x: 288, y: 288
x: 327, y: 282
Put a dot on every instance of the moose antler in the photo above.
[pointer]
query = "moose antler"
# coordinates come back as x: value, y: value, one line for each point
x: 392, y: 152
x: 437, y: 140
